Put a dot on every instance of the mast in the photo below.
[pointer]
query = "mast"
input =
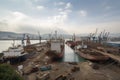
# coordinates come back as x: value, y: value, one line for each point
x: 13, y: 44
x: 39, y: 37
x: 73, y: 37
x: 28, y: 40
x: 56, y: 35
x: 95, y: 34
x: 23, y: 40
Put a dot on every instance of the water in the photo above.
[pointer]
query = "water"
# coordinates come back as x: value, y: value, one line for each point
x: 5, y: 44
x: 114, y: 44
x: 69, y: 55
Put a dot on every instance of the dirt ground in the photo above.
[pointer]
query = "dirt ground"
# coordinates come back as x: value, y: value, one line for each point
x: 84, y: 71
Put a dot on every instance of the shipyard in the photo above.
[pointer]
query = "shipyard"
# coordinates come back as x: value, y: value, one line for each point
x: 59, y: 40
x: 46, y: 60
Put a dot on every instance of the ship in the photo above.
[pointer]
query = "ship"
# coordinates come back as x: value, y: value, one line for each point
x: 56, y: 48
x: 92, y: 55
x: 71, y: 44
x: 14, y: 55
x: 89, y: 53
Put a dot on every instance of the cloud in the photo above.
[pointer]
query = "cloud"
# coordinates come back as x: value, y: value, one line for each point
x: 105, y: 5
x: 112, y: 27
x: 34, y: 29
x: 15, y: 18
x: 68, y: 5
x: 46, y: 14
x: 62, y: 15
x: 19, y: 15
x: 59, y: 3
x: 82, y: 13
x: 20, y: 22
x: 3, y: 25
x: 108, y: 7
x: 36, y: 0
x: 12, y: 20
x: 40, y: 7
x: 60, y: 9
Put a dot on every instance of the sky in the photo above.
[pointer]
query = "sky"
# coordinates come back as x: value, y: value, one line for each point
x: 65, y: 16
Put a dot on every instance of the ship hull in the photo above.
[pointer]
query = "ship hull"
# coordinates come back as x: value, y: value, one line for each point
x: 54, y: 55
x: 15, y: 60
x: 56, y: 49
x: 92, y: 57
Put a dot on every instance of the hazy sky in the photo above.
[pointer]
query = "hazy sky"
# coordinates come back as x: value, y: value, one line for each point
x: 66, y: 16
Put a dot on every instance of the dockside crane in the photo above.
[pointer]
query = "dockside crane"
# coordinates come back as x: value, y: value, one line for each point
x: 39, y: 37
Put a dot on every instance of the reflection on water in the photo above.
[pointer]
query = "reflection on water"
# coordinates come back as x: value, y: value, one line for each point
x: 69, y: 55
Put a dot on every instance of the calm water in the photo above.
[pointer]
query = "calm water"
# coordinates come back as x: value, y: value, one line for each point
x: 116, y: 42
x: 69, y: 55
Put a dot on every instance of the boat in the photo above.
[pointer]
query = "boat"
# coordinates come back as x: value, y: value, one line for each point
x: 14, y: 54
x: 88, y: 53
x: 56, y: 48
x: 71, y: 44
x: 92, y: 55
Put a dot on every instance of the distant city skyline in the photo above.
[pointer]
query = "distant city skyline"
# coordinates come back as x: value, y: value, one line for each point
x: 66, y: 16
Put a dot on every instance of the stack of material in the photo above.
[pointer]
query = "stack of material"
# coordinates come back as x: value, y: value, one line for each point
x: 43, y: 76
